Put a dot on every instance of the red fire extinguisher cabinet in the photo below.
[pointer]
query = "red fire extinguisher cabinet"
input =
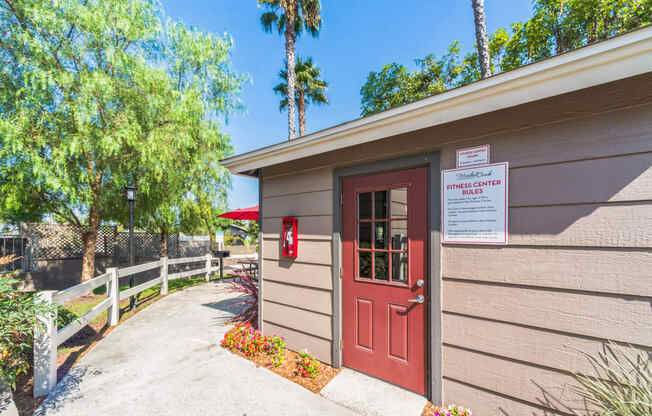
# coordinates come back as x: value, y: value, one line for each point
x: 290, y: 238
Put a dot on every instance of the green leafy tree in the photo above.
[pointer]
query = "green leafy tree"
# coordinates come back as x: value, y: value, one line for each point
x: 253, y: 227
x: 556, y: 26
x: 201, y: 214
x: 394, y: 85
x: 186, y: 194
x: 470, y: 68
x: 291, y: 17
x: 310, y: 89
x: 385, y: 89
x: 89, y: 106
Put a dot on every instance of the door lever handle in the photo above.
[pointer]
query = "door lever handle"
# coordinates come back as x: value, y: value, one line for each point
x: 419, y: 299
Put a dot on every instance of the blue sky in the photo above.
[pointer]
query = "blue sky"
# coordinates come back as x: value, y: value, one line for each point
x: 355, y: 39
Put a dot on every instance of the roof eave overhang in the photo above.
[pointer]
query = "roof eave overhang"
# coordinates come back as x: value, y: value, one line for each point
x: 618, y: 58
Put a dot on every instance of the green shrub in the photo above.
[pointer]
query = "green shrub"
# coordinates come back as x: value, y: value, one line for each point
x: 621, y: 384
x: 18, y: 317
x: 64, y: 317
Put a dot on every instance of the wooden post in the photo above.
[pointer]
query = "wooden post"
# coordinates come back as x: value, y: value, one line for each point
x: 164, y: 275
x: 208, y: 267
x: 45, y: 348
x: 113, y: 292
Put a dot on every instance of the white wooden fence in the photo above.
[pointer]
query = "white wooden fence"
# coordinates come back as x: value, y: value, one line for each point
x: 48, y: 338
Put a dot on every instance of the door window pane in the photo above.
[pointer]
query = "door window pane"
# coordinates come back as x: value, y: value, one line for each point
x: 399, y: 202
x: 399, y: 267
x: 380, y: 235
x: 380, y: 200
x: 364, y: 260
x: 364, y: 235
x: 364, y: 206
x: 399, y: 235
x: 381, y: 265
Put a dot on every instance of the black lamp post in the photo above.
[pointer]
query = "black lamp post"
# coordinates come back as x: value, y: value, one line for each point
x: 131, y: 197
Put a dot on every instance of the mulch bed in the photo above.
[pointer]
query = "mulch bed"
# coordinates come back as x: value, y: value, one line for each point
x: 289, y: 369
x: 430, y: 410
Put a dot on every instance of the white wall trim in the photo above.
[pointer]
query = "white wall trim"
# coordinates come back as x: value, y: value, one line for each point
x: 611, y: 60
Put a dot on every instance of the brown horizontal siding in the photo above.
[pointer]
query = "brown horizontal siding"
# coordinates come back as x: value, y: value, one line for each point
x: 306, y: 181
x: 614, y: 179
x: 622, y: 319
x: 312, y: 323
x: 589, y: 136
x: 488, y: 403
x: 298, y: 341
x: 614, y: 271
x: 297, y: 293
x: 588, y: 225
x: 307, y: 298
x: 311, y: 275
x: 617, y: 119
x: 575, y: 274
x: 307, y: 203
x: 533, y: 385
x: 309, y: 227
x: 309, y: 251
x: 540, y: 347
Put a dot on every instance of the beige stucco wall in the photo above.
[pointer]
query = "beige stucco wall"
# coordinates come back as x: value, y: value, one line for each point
x: 576, y: 271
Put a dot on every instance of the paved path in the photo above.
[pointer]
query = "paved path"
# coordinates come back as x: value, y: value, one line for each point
x: 165, y: 361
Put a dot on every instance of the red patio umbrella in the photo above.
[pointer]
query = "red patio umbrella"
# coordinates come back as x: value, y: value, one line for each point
x: 250, y: 213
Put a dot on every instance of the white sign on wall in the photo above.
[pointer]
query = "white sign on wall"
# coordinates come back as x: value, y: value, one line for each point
x: 473, y: 156
x: 475, y: 204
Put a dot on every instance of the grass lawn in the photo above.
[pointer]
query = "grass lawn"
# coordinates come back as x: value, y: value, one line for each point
x: 78, y: 307
x: 79, y: 344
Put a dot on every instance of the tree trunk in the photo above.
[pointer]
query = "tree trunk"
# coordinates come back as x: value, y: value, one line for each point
x: 89, y: 238
x: 290, y: 38
x: 302, y: 113
x: 559, y: 39
x: 481, y: 38
x: 211, y: 243
x: 164, y: 242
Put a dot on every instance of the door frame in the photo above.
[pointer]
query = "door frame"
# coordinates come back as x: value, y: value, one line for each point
x: 433, y: 315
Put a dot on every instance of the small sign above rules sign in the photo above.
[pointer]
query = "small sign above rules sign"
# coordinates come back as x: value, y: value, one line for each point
x: 473, y: 156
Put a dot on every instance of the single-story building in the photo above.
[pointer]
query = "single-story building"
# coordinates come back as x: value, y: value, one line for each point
x: 393, y: 274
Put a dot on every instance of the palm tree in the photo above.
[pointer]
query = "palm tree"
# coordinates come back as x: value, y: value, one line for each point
x: 290, y: 17
x: 310, y: 89
x: 482, y: 41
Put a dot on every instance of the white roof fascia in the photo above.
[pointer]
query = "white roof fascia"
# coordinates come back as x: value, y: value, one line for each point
x: 610, y: 60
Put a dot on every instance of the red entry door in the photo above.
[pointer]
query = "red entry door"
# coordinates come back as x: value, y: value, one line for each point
x: 384, y: 231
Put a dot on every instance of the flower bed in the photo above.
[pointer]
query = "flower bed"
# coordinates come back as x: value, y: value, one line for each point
x: 452, y: 410
x: 271, y: 352
x: 252, y: 343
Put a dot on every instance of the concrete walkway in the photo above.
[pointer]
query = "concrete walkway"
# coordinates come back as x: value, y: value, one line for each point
x: 165, y: 361
x: 7, y: 405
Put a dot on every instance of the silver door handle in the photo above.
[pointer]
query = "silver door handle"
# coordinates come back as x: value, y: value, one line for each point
x: 419, y: 299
